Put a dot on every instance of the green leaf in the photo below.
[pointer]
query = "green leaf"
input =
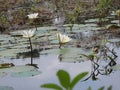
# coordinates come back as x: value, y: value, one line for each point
x: 64, y: 78
x: 52, y: 86
x: 101, y: 88
x: 89, y: 88
x: 110, y: 88
x: 77, y: 79
x: 6, y: 88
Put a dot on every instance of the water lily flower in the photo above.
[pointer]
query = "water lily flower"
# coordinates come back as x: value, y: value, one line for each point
x: 62, y: 38
x: 32, y: 16
x: 28, y: 33
x: 118, y: 13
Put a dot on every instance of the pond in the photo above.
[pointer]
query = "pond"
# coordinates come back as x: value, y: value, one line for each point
x: 74, y: 57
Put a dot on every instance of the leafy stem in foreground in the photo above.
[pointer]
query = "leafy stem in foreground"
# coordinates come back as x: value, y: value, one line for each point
x: 65, y: 81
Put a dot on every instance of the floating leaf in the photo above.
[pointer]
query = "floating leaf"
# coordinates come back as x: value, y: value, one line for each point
x: 21, y: 71
x: 52, y: 86
x: 25, y: 74
x: 2, y: 74
x: 6, y: 88
x: 68, y: 54
x: 92, y: 20
x: 116, y: 67
x: 114, y: 40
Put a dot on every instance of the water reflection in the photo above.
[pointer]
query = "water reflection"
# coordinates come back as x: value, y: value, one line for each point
x: 102, y: 60
x: 35, y: 53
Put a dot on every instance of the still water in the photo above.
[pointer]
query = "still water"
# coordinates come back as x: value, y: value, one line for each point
x: 49, y: 65
x: 49, y: 62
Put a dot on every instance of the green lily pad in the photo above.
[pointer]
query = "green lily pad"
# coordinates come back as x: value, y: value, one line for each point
x: 2, y: 74
x: 20, y: 71
x: 25, y: 74
x: 16, y: 33
x: 116, y: 67
x: 13, y: 52
x: 68, y: 54
x: 115, y: 21
x: 114, y: 40
x: 6, y: 88
x: 91, y: 20
x: 20, y: 68
x: 46, y: 28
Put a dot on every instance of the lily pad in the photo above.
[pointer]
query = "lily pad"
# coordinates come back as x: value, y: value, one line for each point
x: 2, y: 74
x: 116, y: 67
x: 11, y: 53
x: 91, y: 20
x: 68, y: 54
x: 20, y: 71
x: 25, y: 74
x: 6, y: 88
x: 115, y: 21
x: 114, y: 40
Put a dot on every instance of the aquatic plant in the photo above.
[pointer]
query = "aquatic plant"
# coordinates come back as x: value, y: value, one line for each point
x: 62, y: 39
x: 103, y: 8
x: 101, y: 53
x: 101, y: 88
x: 33, y: 16
x: 65, y: 81
x: 118, y: 14
x: 29, y: 34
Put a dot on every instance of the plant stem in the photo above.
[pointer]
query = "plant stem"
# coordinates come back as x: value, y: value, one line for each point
x: 119, y: 19
x: 35, y: 26
x: 31, y: 51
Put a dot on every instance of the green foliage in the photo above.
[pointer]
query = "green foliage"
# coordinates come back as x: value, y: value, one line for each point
x: 89, y: 88
x: 64, y: 78
x: 101, y: 88
x: 104, y: 4
x: 3, y: 19
x: 77, y: 79
x: 52, y: 86
x: 103, y: 9
x: 65, y: 82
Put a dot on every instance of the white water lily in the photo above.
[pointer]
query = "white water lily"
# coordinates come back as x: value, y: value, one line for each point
x: 62, y: 38
x: 118, y: 13
x: 32, y: 16
x: 28, y: 33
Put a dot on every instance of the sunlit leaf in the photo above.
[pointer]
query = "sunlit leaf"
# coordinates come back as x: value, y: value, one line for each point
x: 101, y: 88
x: 64, y: 78
x: 51, y: 86
x: 77, y: 79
